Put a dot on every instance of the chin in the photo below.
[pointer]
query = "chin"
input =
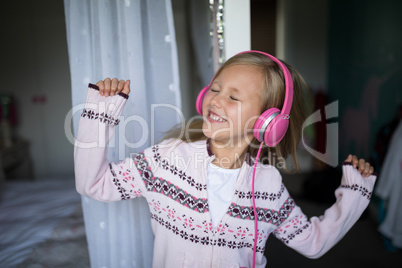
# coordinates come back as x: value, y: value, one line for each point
x: 207, y: 129
x: 206, y: 134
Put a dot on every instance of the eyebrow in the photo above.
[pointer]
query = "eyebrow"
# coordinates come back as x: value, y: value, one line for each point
x: 235, y: 89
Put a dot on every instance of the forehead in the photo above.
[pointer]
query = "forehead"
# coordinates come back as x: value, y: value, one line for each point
x: 241, y: 78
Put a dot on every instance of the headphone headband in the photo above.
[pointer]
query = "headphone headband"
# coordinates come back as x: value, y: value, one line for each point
x: 287, y: 104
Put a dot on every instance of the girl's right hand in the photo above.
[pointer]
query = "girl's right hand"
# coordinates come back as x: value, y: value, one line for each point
x: 112, y: 87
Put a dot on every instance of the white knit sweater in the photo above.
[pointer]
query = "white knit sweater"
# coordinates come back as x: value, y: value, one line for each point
x: 172, y: 177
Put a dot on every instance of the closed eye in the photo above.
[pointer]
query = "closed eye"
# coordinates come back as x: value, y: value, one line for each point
x: 231, y: 97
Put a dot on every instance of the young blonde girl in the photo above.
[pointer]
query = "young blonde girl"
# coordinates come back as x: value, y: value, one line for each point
x: 198, y: 181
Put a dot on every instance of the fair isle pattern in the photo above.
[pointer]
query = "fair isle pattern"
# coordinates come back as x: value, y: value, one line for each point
x: 159, y: 185
x: 102, y: 117
x: 123, y: 192
x: 125, y: 176
x: 203, y: 240
x: 175, y: 171
x: 239, y: 232
x: 291, y: 236
x: 261, y: 195
x: 354, y: 187
x: 268, y: 215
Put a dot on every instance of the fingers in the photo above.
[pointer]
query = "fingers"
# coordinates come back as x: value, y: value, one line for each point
x: 355, y: 161
x: 126, y: 87
x: 120, y: 86
x: 107, y: 83
x: 361, y: 165
x: 101, y: 86
x: 112, y: 87
x: 371, y: 170
x: 368, y: 170
x: 364, y: 168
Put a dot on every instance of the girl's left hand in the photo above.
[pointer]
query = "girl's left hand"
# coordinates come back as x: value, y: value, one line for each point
x: 362, y: 166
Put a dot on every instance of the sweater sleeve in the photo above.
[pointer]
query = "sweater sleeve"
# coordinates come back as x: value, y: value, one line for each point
x: 314, y: 237
x: 94, y: 176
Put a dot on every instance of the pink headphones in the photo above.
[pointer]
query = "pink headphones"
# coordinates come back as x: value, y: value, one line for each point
x: 271, y: 125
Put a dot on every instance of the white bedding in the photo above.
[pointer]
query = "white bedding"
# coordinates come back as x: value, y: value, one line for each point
x: 29, y: 213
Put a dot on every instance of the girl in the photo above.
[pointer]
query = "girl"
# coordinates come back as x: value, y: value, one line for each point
x: 199, y: 183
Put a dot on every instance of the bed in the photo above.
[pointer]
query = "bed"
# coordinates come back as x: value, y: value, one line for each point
x: 41, y: 225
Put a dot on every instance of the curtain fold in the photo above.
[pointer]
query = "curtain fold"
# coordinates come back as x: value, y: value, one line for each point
x: 129, y: 40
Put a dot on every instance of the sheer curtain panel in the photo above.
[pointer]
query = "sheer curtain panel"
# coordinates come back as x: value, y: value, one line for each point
x: 132, y: 40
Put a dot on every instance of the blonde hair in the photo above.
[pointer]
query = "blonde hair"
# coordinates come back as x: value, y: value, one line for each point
x: 273, y: 96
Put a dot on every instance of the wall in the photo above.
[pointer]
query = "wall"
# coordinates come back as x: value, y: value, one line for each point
x: 303, y: 38
x: 35, y: 64
x: 302, y: 41
x: 352, y: 50
x: 263, y: 19
x: 237, y: 34
x: 365, y: 72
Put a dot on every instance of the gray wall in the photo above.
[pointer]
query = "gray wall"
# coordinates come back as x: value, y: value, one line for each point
x: 306, y: 39
x: 35, y: 64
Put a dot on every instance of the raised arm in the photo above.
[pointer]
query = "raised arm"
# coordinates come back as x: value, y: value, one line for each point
x: 94, y: 176
x: 314, y: 237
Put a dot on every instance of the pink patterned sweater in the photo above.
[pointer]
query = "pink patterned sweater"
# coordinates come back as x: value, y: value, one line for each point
x: 171, y: 176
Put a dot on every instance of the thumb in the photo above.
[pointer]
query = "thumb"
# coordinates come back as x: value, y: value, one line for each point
x: 349, y: 158
x: 126, y: 87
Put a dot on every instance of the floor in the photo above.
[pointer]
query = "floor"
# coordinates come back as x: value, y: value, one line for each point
x: 362, y: 246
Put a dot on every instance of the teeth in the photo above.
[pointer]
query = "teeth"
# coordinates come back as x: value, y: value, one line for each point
x: 215, y: 118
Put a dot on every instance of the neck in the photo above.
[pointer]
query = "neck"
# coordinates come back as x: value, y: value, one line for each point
x: 228, y: 156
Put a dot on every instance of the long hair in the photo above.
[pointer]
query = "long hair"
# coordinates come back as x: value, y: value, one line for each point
x: 273, y: 95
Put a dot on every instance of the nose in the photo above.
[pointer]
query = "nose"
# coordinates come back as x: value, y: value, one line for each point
x: 216, y: 100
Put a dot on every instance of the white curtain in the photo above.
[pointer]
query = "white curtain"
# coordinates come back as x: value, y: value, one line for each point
x: 133, y: 40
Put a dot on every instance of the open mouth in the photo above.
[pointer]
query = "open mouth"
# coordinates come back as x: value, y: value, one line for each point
x: 215, y: 118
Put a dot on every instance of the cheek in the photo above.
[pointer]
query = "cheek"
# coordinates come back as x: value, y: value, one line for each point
x: 250, y: 118
x: 205, y: 103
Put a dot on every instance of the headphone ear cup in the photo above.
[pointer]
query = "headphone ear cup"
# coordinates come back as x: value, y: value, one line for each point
x: 200, y: 98
x: 276, y: 130
x: 270, y: 127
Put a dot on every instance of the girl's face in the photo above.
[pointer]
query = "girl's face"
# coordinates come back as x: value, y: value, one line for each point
x: 233, y: 104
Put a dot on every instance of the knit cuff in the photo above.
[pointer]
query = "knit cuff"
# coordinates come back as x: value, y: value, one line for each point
x: 105, y: 109
x: 352, y: 179
x: 124, y: 95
